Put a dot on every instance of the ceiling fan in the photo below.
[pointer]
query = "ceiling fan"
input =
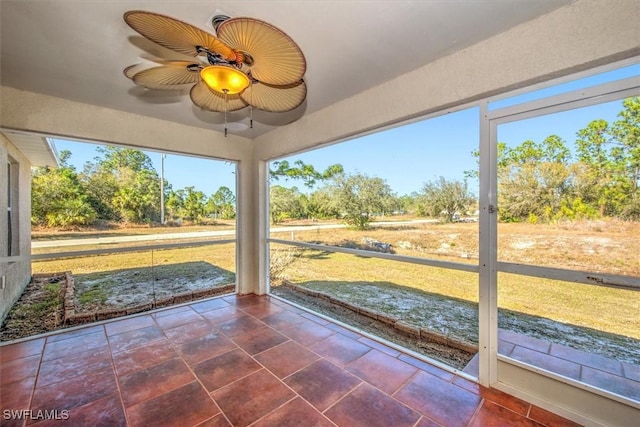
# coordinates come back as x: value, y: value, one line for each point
x: 248, y: 62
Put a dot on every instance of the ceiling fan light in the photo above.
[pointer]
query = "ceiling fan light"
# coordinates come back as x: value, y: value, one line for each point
x: 225, y: 79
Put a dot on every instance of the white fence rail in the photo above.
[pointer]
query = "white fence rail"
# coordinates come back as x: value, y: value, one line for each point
x: 584, y: 277
x: 142, y: 248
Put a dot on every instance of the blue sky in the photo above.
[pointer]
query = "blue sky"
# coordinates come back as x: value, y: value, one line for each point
x: 407, y: 156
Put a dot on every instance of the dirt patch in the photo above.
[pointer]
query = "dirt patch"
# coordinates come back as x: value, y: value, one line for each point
x: 38, y: 310
x: 127, y: 289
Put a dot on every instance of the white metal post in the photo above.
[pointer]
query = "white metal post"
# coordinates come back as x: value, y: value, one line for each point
x: 488, y: 307
x: 162, y: 156
x: 264, y: 251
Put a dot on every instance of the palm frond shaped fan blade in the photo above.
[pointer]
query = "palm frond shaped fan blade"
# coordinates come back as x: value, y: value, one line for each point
x: 176, y: 35
x: 214, y: 101
x: 254, y: 50
x: 277, y: 59
x: 167, y: 77
x: 275, y: 99
x: 132, y: 70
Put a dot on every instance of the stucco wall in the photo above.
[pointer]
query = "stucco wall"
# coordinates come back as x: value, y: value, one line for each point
x: 17, y: 274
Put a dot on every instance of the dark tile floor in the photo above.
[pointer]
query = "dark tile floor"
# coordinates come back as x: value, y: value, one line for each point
x: 239, y: 361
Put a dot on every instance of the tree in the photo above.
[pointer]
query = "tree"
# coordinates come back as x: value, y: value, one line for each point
x: 445, y: 199
x: 610, y: 154
x: 137, y: 199
x: 359, y: 197
x: 123, y: 185
x: 534, y: 180
x: 626, y: 132
x: 591, y: 149
x: 321, y: 205
x: 175, y: 203
x: 116, y: 158
x: 411, y: 203
x: 501, y: 160
x: 101, y: 187
x: 304, y: 172
x: 534, y: 190
x: 57, y: 196
x: 222, y: 203
x: 555, y: 150
x: 285, y: 203
x: 194, y: 204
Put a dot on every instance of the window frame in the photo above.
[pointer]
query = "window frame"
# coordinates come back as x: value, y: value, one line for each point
x: 13, y: 236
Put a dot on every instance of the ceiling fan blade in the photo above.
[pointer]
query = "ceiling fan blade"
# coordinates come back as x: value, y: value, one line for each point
x: 175, y: 35
x: 167, y: 77
x: 168, y: 60
x: 205, y: 98
x: 277, y: 59
x: 134, y: 69
x: 275, y: 99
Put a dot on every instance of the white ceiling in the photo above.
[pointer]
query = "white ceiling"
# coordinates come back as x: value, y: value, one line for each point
x: 77, y: 49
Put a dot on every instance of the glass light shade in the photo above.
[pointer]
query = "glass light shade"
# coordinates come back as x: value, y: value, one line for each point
x: 224, y: 79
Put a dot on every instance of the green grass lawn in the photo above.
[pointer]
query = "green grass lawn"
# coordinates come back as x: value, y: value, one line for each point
x: 222, y: 255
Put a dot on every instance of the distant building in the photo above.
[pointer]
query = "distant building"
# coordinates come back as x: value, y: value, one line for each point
x: 18, y: 153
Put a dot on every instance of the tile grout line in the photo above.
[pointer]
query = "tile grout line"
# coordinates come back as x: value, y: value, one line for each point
x: 320, y: 357
x: 174, y: 347
x: 178, y: 356
x: 343, y: 397
x: 476, y: 411
x: 415, y: 374
x: 238, y: 379
x: 35, y: 379
x: 296, y: 395
x: 116, y: 378
x: 272, y: 373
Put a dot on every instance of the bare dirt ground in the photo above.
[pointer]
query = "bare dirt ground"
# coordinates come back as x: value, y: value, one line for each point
x: 123, y: 292
x: 38, y: 310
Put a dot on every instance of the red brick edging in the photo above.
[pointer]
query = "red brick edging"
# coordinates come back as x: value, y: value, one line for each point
x: 73, y: 318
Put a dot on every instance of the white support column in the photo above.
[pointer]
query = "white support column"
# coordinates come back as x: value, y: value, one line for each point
x: 246, y: 230
x: 252, y: 227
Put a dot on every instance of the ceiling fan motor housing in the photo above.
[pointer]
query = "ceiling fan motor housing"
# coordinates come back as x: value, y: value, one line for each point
x: 217, y: 20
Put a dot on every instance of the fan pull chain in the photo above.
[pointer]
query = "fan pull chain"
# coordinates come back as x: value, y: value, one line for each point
x: 226, y: 102
x: 251, y: 107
